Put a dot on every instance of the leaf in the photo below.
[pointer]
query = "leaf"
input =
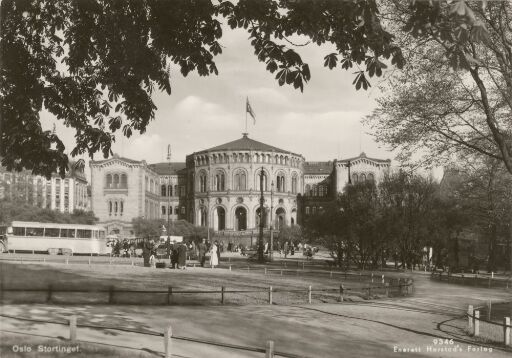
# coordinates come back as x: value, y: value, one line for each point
x: 330, y: 60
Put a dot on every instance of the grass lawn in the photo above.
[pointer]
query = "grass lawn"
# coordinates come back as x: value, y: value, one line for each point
x: 85, y: 277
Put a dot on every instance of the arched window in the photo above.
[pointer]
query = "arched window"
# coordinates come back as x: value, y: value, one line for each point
x: 175, y: 190
x: 294, y: 184
x: 202, y: 182
x: 163, y: 210
x: 234, y: 158
x: 363, y: 177
x: 109, y: 180
x: 243, y: 181
x: 164, y: 192
x: 124, y: 181
x: 308, y: 190
x: 280, y: 183
x: 219, y: 182
x: 307, y: 210
x: 354, y: 178
x: 116, y: 181
x: 371, y: 177
x: 109, y: 208
x: 256, y: 158
x: 121, y: 207
x: 115, y: 208
x: 259, y: 185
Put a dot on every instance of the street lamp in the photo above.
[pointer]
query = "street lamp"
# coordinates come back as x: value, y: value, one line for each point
x: 168, y: 192
x: 271, y: 228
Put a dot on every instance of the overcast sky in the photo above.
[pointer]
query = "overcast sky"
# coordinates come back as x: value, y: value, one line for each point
x: 322, y: 123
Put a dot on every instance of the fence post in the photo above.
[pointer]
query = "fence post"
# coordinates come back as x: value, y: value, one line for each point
x: 369, y: 290
x: 489, y: 308
x: 72, y: 328
x: 222, y: 295
x: 470, y: 318
x: 169, y: 295
x: 111, y: 294
x: 476, y: 323
x: 387, y: 288
x: 309, y: 294
x: 270, y: 295
x: 168, y: 342
x: 341, y: 293
x: 49, y: 297
x: 269, y: 350
x: 506, y: 331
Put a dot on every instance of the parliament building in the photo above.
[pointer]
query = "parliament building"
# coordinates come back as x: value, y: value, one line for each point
x: 220, y: 187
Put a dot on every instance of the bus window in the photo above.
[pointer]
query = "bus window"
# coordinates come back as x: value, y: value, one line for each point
x: 102, y: 234
x: 51, y: 232
x: 67, y: 232
x: 18, y: 231
x: 83, y: 234
x: 35, y: 231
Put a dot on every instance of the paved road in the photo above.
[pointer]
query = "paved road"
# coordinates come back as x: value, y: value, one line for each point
x: 377, y: 328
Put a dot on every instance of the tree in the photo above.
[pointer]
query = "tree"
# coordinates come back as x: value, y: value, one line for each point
x: 292, y: 234
x: 22, y: 211
x: 483, y: 193
x: 454, y: 96
x: 94, y: 64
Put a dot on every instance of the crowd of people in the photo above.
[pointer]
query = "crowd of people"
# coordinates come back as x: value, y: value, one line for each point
x: 178, y: 252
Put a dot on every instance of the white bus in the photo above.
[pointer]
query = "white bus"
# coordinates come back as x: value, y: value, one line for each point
x: 56, y: 238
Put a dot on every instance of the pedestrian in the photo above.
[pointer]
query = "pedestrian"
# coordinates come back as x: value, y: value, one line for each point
x: 174, y: 254
x: 285, y: 249
x: 214, y: 255
x: 201, y: 247
x: 218, y: 250
x: 182, y: 256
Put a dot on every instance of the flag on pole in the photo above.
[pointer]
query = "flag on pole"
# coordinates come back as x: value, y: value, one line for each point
x: 250, y: 111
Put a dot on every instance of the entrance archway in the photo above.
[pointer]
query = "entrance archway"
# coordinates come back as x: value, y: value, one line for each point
x: 280, y: 218
x: 220, y: 219
x: 258, y: 216
x: 240, y: 219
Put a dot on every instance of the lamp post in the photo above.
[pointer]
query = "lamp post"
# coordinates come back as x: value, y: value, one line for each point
x: 271, y: 226
x: 168, y: 192
x: 261, y: 258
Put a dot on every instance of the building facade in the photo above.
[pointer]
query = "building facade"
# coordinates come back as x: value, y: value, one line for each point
x: 56, y: 193
x: 221, y: 187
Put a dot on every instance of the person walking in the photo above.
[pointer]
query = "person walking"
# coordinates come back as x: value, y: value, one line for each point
x: 214, y: 255
x: 201, y: 248
x: 219, y: 248
x: 182, y: 256
x: 285, y: 249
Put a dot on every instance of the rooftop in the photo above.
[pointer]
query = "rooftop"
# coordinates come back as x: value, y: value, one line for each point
x: 165, y: 168
x: 318, y: 167
x: 245, y: 143
x: 363, y: 156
